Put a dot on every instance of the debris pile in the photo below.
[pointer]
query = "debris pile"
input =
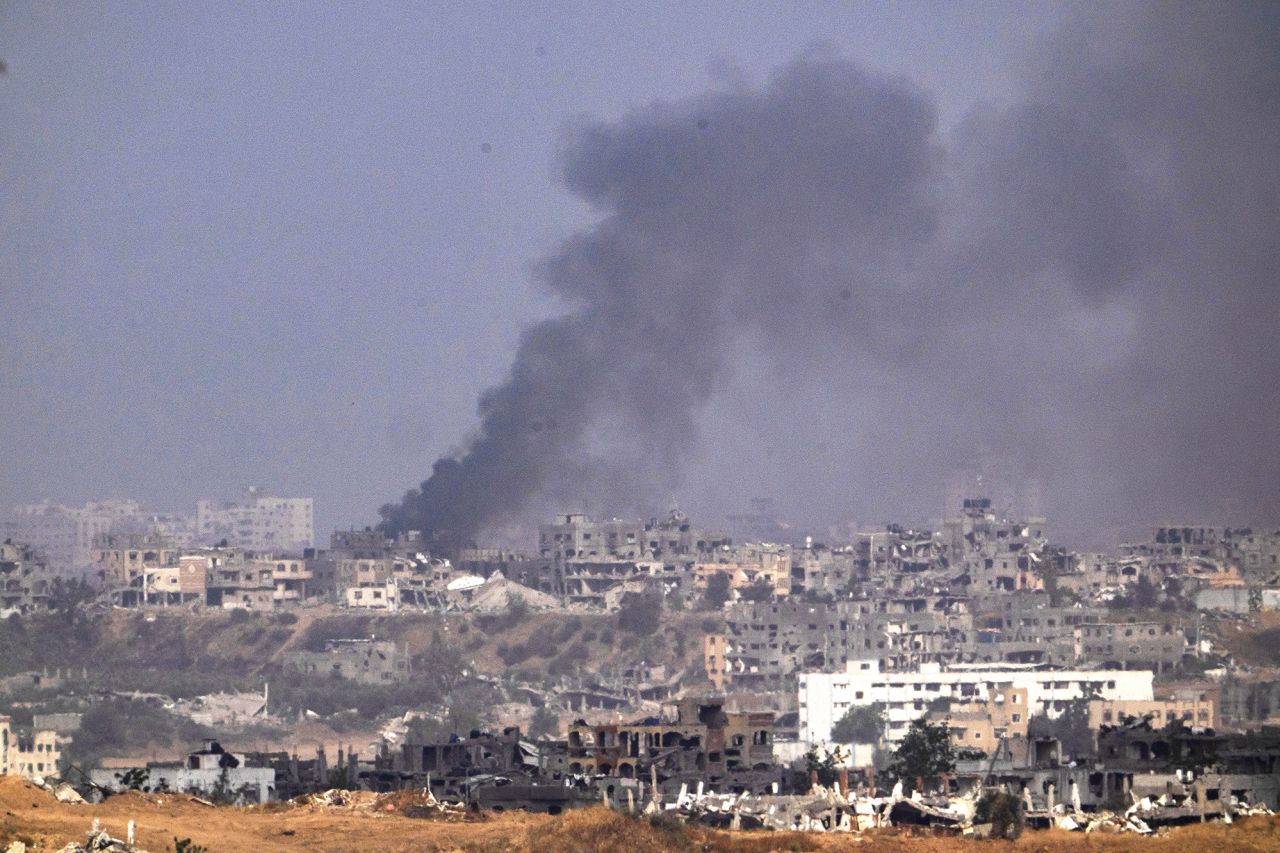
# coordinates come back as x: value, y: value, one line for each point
x: 62, y: 791
x: 97, y: 840
x: 410, y: 802
x: 831, y: 810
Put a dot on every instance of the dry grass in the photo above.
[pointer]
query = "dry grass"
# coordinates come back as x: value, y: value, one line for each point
x: 33, y: 816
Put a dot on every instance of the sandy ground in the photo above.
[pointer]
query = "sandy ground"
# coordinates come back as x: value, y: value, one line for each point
x: 32, y: 815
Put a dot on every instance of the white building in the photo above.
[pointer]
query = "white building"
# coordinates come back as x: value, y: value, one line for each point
x: 206, y: 771
x: 825, y: 697
x: 258, y: 522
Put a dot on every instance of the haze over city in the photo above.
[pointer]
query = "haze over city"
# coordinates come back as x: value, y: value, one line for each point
x: 830, y: 257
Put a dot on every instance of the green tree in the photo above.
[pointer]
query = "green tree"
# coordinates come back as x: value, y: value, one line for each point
x: 760, y: 590
x: 640, y: 613
x: 442, y: 663
x: 717, y: 591
x: 544, y: 722
x: 1071, y: 728
x: 517, y: 608
x: 860, y: 724
x: 1003, y: 811
x: 924, y: 753
x: 1145, y: 594
x: 826, y: 763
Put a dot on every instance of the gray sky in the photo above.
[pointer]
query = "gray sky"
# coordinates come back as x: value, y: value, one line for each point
x: 292, y: 244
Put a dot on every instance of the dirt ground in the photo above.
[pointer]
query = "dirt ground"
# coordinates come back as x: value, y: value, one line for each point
x: 30, y: 814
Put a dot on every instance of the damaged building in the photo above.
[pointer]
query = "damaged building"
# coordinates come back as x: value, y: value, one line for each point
x: 363, y: 661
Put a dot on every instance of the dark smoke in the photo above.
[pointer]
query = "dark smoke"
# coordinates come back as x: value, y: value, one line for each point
x: 1083, y: 282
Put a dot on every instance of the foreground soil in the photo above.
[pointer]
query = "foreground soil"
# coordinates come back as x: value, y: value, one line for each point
x: 31, y: 815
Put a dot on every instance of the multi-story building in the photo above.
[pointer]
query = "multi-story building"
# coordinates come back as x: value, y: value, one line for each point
x: 258, y: 522
x: 995, y: 553
x: 234, y: 580
x: 982, y: 724
x: 121, y: 562
x: 1131, y: 645
x: 823, y: 571
x: 769, y: 643
x: 26, y: 581
x: 28, y: 755
x: 695, y: 736
x: 713, y: 659
x: 1193, y: 708
x: 747, y: 565
x: 824, y: 697
x: 65, y: 535
x: 362, y: 661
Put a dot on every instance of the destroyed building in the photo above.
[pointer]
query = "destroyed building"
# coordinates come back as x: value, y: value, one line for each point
x: 587, y: 562
x: 694, y: 739
x: 26, y: 581
x: 1158, y: 646
x: 995, y: 553
x: 209, y: 771
x: 363, y: 661
x: 1244, y: 764
x: 33, y: 753
x: 767, y: 644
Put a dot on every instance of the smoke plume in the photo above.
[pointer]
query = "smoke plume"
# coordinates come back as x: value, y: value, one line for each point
x: 1082, y: 281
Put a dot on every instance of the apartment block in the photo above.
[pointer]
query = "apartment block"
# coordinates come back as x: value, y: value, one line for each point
x: 28, y: 755
x: 825, y: 697
x: 258, y: 522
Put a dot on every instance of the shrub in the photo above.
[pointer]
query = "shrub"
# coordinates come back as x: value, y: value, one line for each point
x: 640, y: 613
x: 1003, y: 811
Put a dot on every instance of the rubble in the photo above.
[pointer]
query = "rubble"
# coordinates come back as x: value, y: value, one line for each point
x: 97, y: 841
x: 410, y: 802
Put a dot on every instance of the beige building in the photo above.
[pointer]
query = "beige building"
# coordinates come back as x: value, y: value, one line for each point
x: 746, y: 564
x: 34, y: 755
x: 714, y: 647
x: 983, y: 723
x: 1194, y: 708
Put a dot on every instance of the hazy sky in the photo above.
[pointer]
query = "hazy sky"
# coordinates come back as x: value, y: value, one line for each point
x: 291, y: 244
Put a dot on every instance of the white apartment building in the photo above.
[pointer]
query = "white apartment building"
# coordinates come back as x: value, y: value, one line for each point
x: 825, y: 697
x: 258, y: 522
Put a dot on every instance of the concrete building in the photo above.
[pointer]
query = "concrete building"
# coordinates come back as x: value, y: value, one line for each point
x: 234, y: 580
x: 713, y: 659
x: 65, y: 535
x: 258, y: 522
x: 768, y: 644
x: 1195, y: 709
x: 121, y: 563
x: 26, y: 580
x: 694, y: 736
x: 982, y: 723
x: 995, y: 553
x: 208, y: 772
x: 824, y: 697
x: 1131, y: 645
x: 28, y: 755
x: 359, y: 660
x: 746, y: 565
